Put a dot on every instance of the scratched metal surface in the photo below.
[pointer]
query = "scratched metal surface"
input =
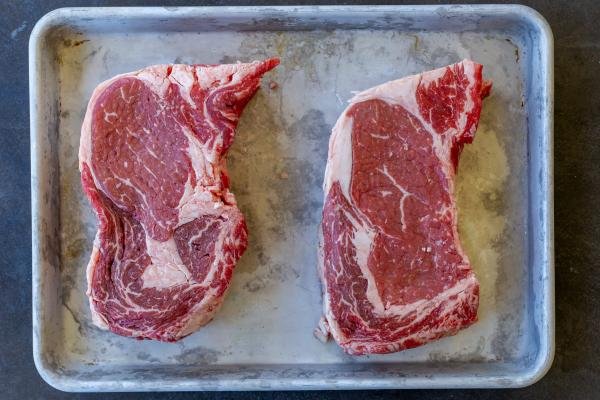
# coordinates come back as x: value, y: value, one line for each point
x: 262, y: 337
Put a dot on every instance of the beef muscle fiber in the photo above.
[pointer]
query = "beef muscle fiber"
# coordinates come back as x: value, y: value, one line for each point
x: 393, y: 272
x: 152, y: 162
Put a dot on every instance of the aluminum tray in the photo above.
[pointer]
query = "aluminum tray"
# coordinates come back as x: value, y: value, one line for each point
x: 262, y: 337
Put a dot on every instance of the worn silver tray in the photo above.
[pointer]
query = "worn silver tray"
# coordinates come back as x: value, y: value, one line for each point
x: 262, y: 337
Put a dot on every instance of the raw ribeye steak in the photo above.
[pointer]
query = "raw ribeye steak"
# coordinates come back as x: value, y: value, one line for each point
x: 152, y: 162
x: 393, y: 271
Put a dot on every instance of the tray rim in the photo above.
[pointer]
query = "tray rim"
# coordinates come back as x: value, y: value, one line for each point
x: 547, y: 336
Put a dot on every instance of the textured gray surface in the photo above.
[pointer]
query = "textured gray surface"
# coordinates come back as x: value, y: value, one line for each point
x: 577, y: 175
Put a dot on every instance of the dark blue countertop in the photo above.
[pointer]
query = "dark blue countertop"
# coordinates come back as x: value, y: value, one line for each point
x: 577, y: 194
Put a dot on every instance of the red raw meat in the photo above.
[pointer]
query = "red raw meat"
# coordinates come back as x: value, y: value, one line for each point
x: 152, y: 162
x: 393, y: 271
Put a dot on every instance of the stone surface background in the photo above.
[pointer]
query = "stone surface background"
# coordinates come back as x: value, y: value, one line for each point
x: 577, y: 176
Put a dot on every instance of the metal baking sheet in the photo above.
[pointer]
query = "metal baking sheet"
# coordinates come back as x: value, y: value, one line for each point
x: 262, y: 337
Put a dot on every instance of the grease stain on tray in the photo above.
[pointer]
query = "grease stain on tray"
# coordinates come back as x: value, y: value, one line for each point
x: 197, y: 355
